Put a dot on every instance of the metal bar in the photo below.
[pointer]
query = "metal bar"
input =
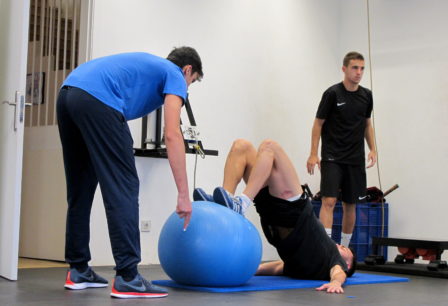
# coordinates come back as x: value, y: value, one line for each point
x: 158, y: 142
x: 162, y: 152
x: 144, y: 131
x: 189, y: 112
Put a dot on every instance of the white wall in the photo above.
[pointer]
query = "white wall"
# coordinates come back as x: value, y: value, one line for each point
x: 409, y: 62
x: 266, y: 64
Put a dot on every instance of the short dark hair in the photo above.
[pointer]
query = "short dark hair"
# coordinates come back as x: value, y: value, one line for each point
x: 353, y: 55
x: 183, y: 56
x: 353, y: 264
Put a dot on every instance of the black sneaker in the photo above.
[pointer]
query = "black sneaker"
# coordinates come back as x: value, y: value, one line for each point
x: 88, y: 279
x: 136, y: 288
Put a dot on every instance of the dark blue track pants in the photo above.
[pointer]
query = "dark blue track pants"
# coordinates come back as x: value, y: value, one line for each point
x: 97, y: 148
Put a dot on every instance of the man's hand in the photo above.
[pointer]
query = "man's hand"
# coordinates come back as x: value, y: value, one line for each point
x: 311, y: 163
x: 371, y: 159
x: 184, y: 209
x: 331, y: 287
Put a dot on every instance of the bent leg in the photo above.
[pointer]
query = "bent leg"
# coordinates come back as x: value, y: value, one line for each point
x: 273, y: 168
x: 239, y: 164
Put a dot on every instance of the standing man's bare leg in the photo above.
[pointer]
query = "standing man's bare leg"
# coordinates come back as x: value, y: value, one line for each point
x: 326, y: 213
x: 348, y: 223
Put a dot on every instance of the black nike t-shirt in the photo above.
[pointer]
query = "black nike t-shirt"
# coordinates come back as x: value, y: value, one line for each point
x: 308, y: 252
x: 345, y: 113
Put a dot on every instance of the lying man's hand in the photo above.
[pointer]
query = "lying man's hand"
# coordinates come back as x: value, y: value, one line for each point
x: 332, y: 287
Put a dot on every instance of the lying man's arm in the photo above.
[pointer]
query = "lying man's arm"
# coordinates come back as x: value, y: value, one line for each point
x: 270, y: 268
x: 337, y: 279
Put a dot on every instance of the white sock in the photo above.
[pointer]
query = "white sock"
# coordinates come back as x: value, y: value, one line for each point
x: 294, y: 198
x: 328, y: 230
x: 246, y: 202
x: 345, y: 239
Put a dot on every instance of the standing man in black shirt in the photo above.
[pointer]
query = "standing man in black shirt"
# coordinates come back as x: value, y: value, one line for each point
x: 286, y: 214
x: 343, y: 121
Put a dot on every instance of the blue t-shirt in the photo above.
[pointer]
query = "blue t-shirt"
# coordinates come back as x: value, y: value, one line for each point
x: 134, y: 84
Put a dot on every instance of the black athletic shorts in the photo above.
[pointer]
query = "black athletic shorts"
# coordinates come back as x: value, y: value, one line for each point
x: 350, y: 180
x: 275, y: 212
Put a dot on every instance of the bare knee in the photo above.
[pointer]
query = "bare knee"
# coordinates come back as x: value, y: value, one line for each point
x: 329, y: 203
x: 268, y: 145
x: 241, y: 146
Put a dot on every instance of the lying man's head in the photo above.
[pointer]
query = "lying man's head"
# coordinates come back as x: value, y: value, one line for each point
x: 349, y: 256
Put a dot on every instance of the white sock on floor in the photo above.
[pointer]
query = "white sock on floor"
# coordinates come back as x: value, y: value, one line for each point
x: 246, y: 202
x: 328, y: 230
x: 345, y: 239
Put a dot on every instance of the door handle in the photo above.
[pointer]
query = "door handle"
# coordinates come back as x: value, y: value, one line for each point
x: 19, y: 101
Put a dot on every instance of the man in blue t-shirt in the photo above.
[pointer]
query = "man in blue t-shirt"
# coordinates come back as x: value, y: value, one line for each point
x: 94, y: 104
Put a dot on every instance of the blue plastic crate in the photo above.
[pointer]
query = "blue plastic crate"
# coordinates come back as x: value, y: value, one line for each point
x: 372, y: 220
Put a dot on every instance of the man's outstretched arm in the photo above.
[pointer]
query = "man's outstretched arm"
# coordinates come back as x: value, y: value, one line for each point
x: 337, y: 279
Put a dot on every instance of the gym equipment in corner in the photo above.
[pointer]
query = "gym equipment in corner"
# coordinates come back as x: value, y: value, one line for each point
x: 409, y: 250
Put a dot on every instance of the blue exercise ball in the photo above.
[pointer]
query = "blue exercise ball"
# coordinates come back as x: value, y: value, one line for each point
x: 219, y: 248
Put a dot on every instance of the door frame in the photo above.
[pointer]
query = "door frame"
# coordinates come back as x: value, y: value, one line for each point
x: 9, y: 251
x: 14, y: 78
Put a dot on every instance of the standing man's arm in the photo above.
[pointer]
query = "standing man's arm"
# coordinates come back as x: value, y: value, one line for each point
x: 315, y: 137
x: 370, y: 138
x: 176, y: 155
x: 337, y: 279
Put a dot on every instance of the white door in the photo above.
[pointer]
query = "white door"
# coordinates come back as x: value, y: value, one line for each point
x: 14, y: 16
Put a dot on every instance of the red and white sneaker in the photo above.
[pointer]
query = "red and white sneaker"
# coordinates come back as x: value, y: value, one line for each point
x: 136, y: 288
x: 88, y: 279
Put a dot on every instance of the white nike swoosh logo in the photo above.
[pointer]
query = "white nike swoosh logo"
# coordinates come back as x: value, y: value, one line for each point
x: 340, y: 104
x: 362, y: 198
x: 140, y: 288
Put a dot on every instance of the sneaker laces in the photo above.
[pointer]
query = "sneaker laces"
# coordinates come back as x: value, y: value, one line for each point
x: 237, y: 204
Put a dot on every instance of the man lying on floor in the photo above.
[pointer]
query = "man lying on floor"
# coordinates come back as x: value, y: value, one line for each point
x: 286, y: 215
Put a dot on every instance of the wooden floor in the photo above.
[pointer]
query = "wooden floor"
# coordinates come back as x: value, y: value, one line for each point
x: 29, y: 263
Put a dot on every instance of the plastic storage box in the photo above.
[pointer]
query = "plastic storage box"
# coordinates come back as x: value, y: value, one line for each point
x: 369, y: 223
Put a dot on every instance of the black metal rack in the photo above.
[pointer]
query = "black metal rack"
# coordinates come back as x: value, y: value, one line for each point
x: 159, y: 151
x: 435, y: 268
